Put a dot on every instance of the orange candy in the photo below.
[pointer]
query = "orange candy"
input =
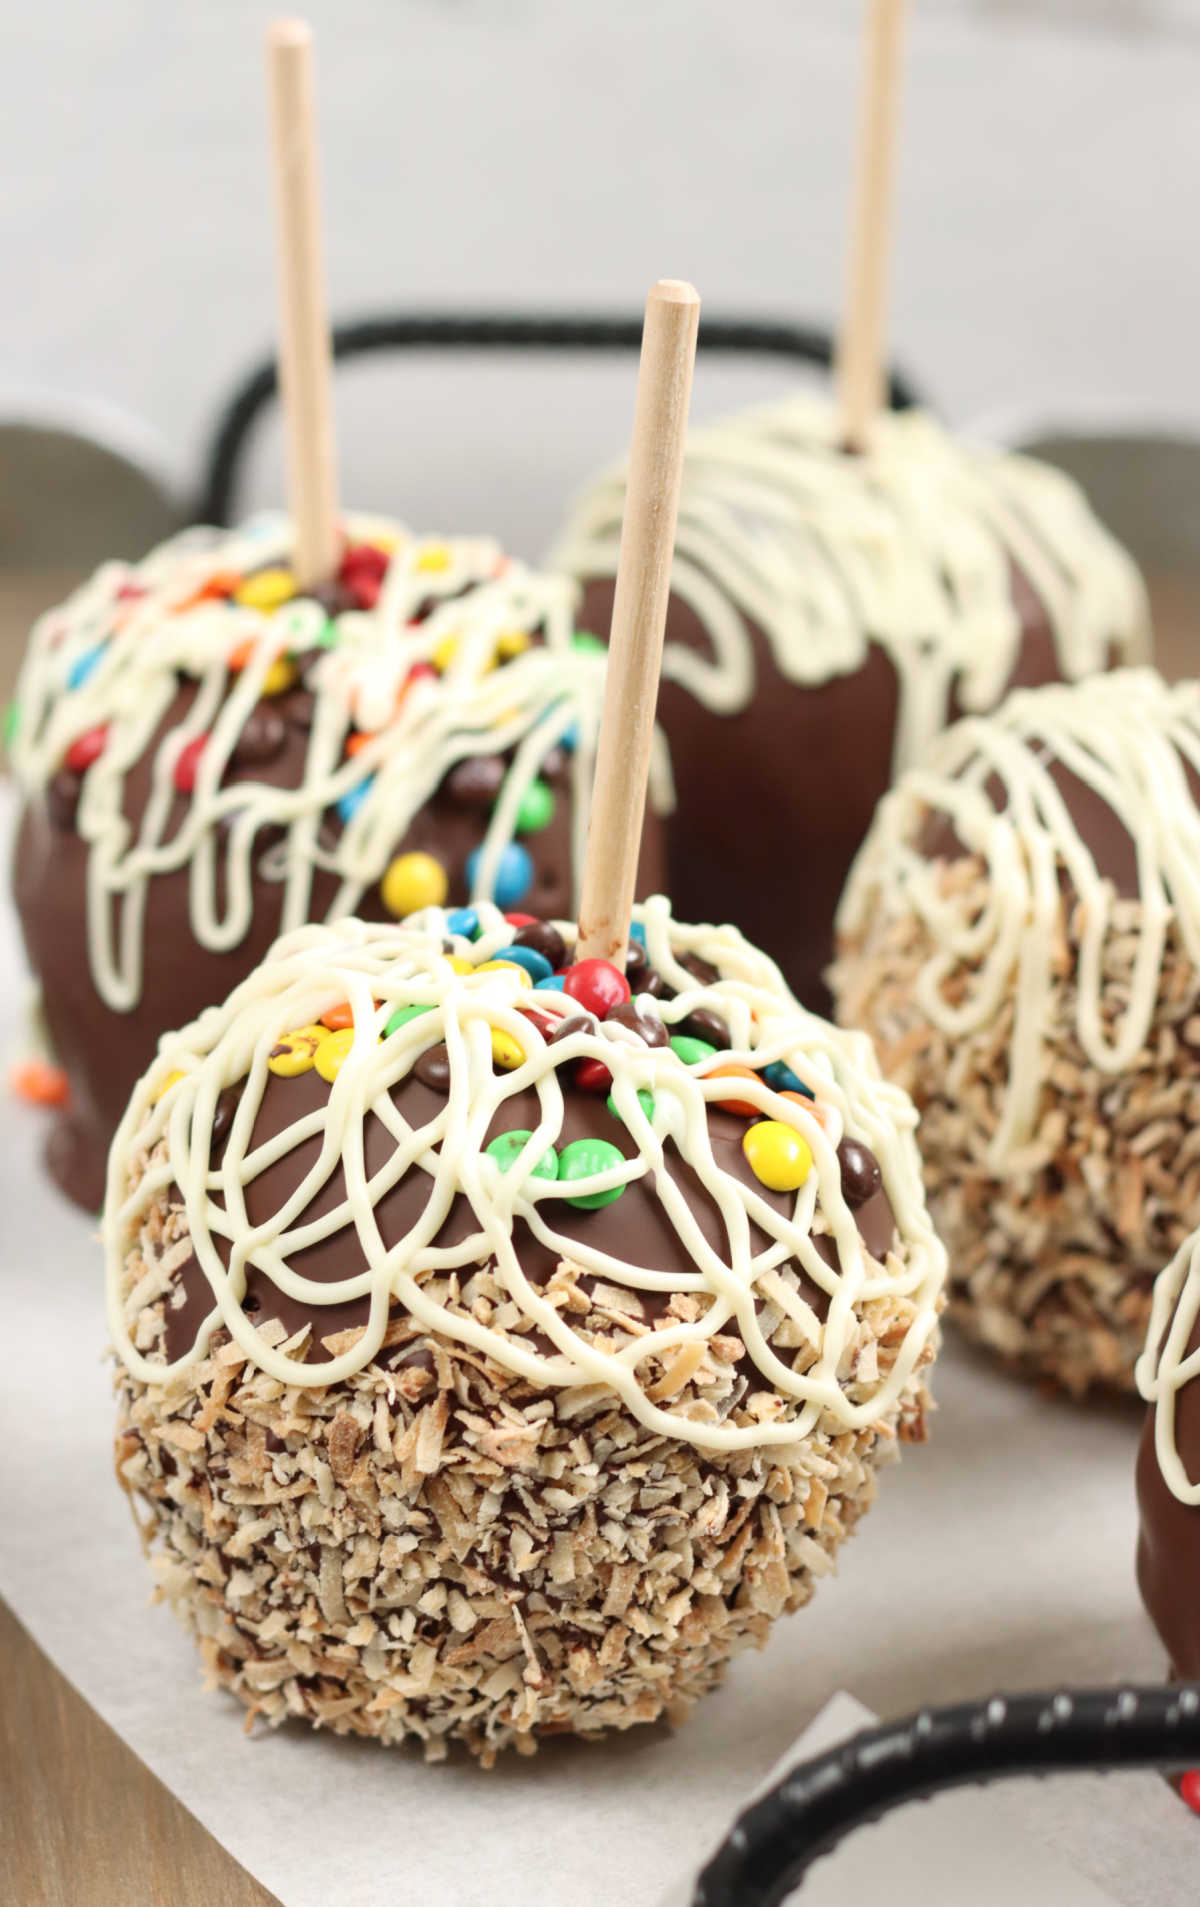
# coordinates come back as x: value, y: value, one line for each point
x: 733, y: 1071
x: 357, y: 741
x: 214, y: 590
x: 40, y: 1084
x: 813, y: 1106
x: 338, y: 1017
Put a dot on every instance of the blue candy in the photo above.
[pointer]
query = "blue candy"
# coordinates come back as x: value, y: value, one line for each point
x: 353, y: 799
x: 553, y: 983
x: 464, y: 921
x: 637, y: 932
x: 535, y: 964
x: 782, y: 1079
x: 514, y: 875
x: 86, y: 663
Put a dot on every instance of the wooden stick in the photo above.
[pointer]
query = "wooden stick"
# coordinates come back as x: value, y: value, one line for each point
x: 305, y: 362
x: 639, y: 620
x: 860, y: 373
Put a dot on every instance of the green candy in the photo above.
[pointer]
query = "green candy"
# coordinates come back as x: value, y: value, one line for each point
x: 691, y: 1051
x: 12, y: 722
x: 582, y: 1159
x: 330, y: 636
x: 645, y: 1101
x: 505, y: 1147
x: 536, y: 810
x: 586, y: 644
x: 402, y: 1016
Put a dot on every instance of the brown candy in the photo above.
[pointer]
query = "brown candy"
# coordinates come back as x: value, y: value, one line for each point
x: 476, y: 782
x: 704, y: 1024
x: 647, y: 1026
x: 299, y: 707
x: 261, y: 739
x: 543, y: 938
x: 574, y: 1023
x: 62, y: 797
x: 334, y: 597
x: 223, y: 1112
x: 555, y: 765
x: 433, y: 1068
x: 861, y: 1177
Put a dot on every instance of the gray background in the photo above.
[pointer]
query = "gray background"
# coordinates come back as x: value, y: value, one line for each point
x: 549, y: 150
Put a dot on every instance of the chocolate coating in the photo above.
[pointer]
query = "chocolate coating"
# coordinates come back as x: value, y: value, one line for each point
x: 105, y: 1052
x: 632, y: 1228
x: 775, y: 799
x: 1168, y: 1558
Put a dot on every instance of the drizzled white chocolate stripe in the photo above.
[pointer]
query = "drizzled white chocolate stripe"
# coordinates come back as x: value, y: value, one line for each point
x: 1127, y: 736
x: 141, y: 648
x: 379, y: 968
x: 909, y: 546
x: 1165, y: 1366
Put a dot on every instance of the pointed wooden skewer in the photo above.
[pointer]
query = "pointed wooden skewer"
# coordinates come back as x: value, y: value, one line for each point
x: 305, y: 360
x: 861, y: 384
x: 638, y: 620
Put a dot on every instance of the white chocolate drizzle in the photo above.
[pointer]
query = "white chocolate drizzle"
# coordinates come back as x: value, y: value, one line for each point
x: 1129, y: 738
x: 134, y: 632
x: 1166, y: 1366
x: 909, y: 546
x: 163, y: 1143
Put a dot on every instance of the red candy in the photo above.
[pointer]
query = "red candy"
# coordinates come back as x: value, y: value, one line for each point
x: 86, y: 749
x: 519, y: 920
x: 597, y: 985
x: 188, y: 762
x: 545, y: 1022
x: 593, y: 1076
x: 362, y: 572
x: 1189, y: 1789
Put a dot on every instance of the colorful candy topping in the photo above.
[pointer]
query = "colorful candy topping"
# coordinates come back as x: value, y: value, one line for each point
x: 779, y: 1155
x: 40, y: 1084
x: 422, y: 671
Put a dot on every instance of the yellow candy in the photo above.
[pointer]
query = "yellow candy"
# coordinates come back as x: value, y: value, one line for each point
x: 413, y: 881
x: 331, y: 1053
x: 266, y: 591
x: 513, y: 642
x: 444, y: 653
x: 505, y: 966
x: 458, y: 963
x: 505, y: 1050
x: 172, y: 1079
x: 779, y: 1156
x: 294, y: 1052
x: 279, y: 677
x: 435, y: 556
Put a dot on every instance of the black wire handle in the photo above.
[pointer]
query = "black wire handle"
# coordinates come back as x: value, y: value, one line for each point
x: 495, y: 331
x: 773, y: 1843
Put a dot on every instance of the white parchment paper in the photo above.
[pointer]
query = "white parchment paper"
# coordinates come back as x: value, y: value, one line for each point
x: 999, y: 1557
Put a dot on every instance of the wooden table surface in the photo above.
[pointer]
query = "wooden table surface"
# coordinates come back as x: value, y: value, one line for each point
x: 83, y: 1822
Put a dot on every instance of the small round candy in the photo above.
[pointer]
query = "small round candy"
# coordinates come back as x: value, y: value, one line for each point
x: 514, y: 874
x: 506, y: 1051
x: 476, y: 781
x: 861, y: 1177
x: 503, y: 965
x: 637, y: 932
x: 596, y: 984
x: 731, y: 1103
x: 463, y: 921
x: 433, y: 1068
x: 62, y: 797
x: 402, y: 1016
x: 84, y: 666
x: 505, y: 1147
x: 296, y: 1052
x: 11, y: 725
x: 338, y: 1016
x: 172, y: 1079
x: 413, y: 881
x: 704, y: 1024
x: 689, y: 1050
x: 263, y: 735
x: 585, y: 643
x: 568, y: 1023
x: 592, y: 1076
x: 280, y: 677
x: 782, y: 1079
x: 187, y: 762
x: 645, y: 1101
x: 267, y: 590
x: 458, y: 963
x: 512, y: 643
x: 86, y: 749
x: 582, y: 1159
x: 1189, y: 1789
x: 331, y: 1054
x: 544, y: 939
x: 778, y: 1155
x: 350, y: 803
x: 647, y: 1025
x: 553, y: 983
x: 536, y: 808
x: 535, y: 964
